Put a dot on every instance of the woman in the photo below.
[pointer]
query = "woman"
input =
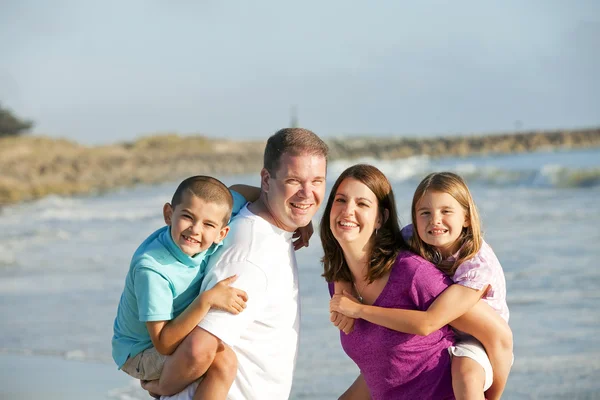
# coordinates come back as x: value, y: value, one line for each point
x: 363, y: 246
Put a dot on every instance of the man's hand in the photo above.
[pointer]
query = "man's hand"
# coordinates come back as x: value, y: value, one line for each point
x: 302, y: 235
x: 226, y: 298
x: 345, y: 304
x: 343, y: 323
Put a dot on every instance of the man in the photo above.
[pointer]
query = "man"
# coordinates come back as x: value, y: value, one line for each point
x: 259, y: 250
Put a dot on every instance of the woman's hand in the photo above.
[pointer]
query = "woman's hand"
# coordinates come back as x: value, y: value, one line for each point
x: 302, y: 236
x: 343, y: 323
x: 345, y: 304
x: 224, y: 297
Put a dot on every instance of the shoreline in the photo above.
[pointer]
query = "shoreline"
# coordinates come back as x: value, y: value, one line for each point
x: 35, y: 166
x: 55, y: 378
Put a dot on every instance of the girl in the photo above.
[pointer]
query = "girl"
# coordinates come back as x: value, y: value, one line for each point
x: 449, y: 235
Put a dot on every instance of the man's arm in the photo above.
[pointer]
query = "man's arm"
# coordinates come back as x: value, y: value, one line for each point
x: 493, y: 332
x: 250, y: 193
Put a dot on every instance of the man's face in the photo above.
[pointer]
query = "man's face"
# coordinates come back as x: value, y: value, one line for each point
x: 295, y: 192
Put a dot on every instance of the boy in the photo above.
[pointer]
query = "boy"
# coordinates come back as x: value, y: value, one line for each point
x: 161, y: 302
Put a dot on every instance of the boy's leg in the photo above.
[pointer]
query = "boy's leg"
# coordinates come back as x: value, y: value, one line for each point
x: 189, y: 362
x: 219, y: 377
x: 468, y: 379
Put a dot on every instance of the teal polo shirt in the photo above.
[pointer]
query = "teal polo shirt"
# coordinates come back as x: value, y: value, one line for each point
x: 161, y: 282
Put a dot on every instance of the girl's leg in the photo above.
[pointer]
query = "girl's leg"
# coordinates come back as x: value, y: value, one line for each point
x: 219, y: 377
x: 468, y: 379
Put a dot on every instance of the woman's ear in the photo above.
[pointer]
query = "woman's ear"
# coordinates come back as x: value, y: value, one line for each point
x: 383, y: 217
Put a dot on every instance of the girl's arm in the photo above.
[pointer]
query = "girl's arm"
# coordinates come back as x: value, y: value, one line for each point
x: 449, y: 305
x: 357, y: 391
x: 341, y: 321
x: 493, y: 332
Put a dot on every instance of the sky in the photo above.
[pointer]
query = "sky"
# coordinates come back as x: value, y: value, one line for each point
x: 100, y: 72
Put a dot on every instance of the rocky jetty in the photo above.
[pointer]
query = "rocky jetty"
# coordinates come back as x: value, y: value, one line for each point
x: 32, y: 167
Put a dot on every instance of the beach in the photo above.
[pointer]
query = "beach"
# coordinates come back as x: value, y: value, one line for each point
x: 64, y: 259
x: 26, y: 377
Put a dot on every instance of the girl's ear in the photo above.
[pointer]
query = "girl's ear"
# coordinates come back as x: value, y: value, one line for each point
x: 467, y: 222
x: 167, y: 213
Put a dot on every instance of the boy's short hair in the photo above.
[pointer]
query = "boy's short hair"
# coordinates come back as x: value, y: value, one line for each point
x: 294, y: 141
x: 206, y: 188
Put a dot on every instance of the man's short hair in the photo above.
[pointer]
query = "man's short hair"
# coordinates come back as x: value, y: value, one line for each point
x: 206, y: 188
x: 293, y: 141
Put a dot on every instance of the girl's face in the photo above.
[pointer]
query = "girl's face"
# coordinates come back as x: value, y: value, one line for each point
x: 440, y: 221
x: 354, y: 213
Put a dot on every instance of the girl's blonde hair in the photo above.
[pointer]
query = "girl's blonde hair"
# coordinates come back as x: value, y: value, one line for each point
x: 470, y: 237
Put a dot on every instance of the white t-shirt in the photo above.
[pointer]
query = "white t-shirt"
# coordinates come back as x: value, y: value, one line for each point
x: 265, y: 335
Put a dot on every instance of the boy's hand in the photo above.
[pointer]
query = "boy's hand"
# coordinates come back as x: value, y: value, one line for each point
x: 302, y: 235
x: 226, y: 298
x: 343, y: 323
x: 345, y: 304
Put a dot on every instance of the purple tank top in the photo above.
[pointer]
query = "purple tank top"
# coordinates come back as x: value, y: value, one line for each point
x: 398, y: 365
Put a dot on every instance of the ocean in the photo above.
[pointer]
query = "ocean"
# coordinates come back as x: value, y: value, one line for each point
x: 63, y: 263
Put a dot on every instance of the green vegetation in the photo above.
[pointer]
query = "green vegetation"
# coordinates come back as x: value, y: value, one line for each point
x: 11, y: 125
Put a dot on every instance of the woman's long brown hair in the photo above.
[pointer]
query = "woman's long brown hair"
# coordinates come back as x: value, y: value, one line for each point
x: 387, y: 243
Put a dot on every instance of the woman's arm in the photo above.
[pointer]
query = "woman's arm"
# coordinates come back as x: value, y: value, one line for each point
x: 493, y: 332
x: 449, y: 305
x: 357, y: 391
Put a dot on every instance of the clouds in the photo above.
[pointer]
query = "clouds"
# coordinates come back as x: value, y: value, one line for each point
x: 108, y: 71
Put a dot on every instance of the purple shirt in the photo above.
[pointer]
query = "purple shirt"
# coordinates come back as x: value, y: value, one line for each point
x: 398, y: 365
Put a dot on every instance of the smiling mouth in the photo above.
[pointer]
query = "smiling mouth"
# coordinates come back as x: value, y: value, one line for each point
x: 348, y: 224
x: 190, y: 240
x: 301, y: 206
x: 436, y: 232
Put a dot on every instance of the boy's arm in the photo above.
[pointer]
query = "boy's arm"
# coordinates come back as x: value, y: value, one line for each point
x: 493, y: 332
x: 167, y: 335
x: 449, y: 305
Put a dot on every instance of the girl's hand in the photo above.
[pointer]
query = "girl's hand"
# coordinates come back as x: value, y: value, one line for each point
x: 302, y: 235
x: 345, y: 304
x: 226, y: 298
x: 343, y: 323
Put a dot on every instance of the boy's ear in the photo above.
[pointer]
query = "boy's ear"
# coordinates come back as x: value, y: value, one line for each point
x: 167, y: 213
x: 264, y: 180
x: 222, y: 234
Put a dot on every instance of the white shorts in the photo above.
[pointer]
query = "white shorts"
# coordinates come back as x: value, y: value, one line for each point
x: 473, y: 349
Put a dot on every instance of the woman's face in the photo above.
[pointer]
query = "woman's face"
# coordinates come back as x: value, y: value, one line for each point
x: 354, y: 213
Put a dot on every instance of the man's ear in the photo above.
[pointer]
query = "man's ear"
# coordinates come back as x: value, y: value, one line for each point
x: 222, y: 234
x: 264, y: 180
x: 167, y: 213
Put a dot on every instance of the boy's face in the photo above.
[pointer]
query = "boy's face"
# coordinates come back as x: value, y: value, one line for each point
x: 196, y: 224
